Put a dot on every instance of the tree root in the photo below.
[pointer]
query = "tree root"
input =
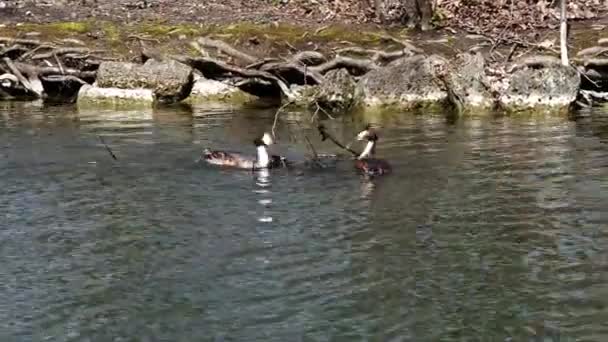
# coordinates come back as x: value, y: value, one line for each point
x: 309, y: 58
x: 64, y: 51
x: 30, y: 42
x: 24, y: 81
x: 406, y: 45
x: 535, y: 62
x: 294, y: 73
x: 47, y: 71
x: 227, y: 49
x: 362, y: 66
x: 377, y: 55
x: 213, y: 68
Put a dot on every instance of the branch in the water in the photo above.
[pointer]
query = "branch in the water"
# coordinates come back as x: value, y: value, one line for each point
x: 315, y: 155
x: 107, y: 147
x: 325, y: 135
x: 276, y: 117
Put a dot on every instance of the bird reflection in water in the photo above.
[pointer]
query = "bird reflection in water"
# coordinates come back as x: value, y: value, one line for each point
x: 262, y: 188
x: 367, y: 187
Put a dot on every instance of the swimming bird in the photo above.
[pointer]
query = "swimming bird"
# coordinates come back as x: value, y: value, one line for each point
x: 232, y: 159
x: 366, y: 161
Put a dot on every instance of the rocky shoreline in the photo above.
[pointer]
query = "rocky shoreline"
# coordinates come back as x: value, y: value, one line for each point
x: 395, y: 73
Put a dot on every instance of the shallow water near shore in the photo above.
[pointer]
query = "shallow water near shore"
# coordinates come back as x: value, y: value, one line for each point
x: 489, y: 229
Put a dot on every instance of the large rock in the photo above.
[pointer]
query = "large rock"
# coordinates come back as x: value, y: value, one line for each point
x: 407, y: 82
x: 206, y: 90
x: 91, y: 96
x: 337, y: 93
x: 468, y: 83
x: 552, y: 87
x: 170, y: 81
x: 304, y: 95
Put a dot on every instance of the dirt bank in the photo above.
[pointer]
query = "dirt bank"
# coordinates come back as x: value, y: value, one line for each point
x: 472, y: 15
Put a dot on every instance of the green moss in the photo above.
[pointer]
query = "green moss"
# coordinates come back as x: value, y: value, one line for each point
x: 114, y: 37
x: 111, y: 32
x: 238, y: 98
x: 537, y: 111
x: 112, y: 103
x: 70, y: 27
x: 438, y: 17
x: 396, y: 115
x: 157, y: 30
x: 52, y: 30
x: 339, y: 33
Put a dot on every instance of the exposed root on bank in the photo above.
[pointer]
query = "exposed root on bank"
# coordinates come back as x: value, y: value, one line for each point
x: 267, y: 76
x: 28, y: 67
x: 31, y: 65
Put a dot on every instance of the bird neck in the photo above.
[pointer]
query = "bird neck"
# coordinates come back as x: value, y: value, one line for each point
x: 263, y: 159
x: 369, y: 150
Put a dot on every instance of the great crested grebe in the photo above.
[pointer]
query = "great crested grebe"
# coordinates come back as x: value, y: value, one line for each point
x: 366, y: 162
x: 231, y: 159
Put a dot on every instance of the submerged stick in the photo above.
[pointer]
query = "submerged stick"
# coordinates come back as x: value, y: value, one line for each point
x: 107, y: 147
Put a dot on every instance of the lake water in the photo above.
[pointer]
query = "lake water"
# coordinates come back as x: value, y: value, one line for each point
x: 489, y: 229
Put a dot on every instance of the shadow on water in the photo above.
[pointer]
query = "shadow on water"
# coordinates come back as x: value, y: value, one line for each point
x: 489, y: 229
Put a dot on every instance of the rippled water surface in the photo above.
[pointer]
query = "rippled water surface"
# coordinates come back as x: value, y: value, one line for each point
x: 491, y: 229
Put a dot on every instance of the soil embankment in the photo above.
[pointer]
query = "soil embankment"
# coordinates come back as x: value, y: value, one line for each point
x: 79, y: 37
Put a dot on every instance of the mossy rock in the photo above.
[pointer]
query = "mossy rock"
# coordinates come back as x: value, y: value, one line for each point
x: 96, y: 97
x: 467, y: 82
x: 171, y: 81
x: 211, y: 91
x: 338, y: 92
x: 406, y: 83
x: 541, y: 90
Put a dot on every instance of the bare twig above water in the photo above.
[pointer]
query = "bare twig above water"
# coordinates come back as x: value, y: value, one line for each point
x: 276, y: 117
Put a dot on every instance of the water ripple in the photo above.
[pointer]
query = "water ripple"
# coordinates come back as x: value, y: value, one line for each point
x: 489, y: 229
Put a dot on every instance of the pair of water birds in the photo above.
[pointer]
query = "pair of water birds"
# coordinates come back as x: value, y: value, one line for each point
x: 365, y: 162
